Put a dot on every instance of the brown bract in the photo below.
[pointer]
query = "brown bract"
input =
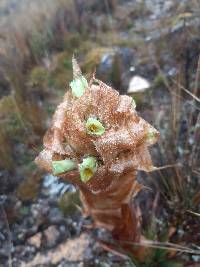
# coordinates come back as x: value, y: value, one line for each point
x: 120, y: 151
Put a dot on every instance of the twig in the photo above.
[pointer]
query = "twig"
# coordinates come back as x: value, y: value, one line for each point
x: 181, y: 87
x: 196, y: 129
x: 196, y: 172
x: 172, y: 247
x: 168, y: 244
x: 194, y: 213
x: 196, y: 84
x: 187, y: 91
x: 108, y: 248
x: 164, y: 167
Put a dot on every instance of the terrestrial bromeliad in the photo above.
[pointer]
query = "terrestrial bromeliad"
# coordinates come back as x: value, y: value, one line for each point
x: 97, y: 141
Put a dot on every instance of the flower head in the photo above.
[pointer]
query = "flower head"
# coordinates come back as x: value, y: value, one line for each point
x: 61, y: 166
x: 87, y: 168
x: 94, y: 127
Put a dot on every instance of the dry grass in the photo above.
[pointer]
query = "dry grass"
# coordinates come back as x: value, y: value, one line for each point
x: 178, y: 183
x: 28, y: 29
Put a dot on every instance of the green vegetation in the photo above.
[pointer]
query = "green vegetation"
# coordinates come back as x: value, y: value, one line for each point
x: 69, y: 203
x: 93, y: 58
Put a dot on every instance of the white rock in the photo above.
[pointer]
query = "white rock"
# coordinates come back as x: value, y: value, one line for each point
x: 138, y: 84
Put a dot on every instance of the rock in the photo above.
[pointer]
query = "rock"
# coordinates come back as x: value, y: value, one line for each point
x: 28, y: 251
x: 2, y: 237
x: 67, y: 264
x: 55, y: 216
x: 53, y: 187
x: 8, y: 183
x: 114, y: 66
x: 138, y: 84
x: 71, y: 251
x: 138, y: 87
x: 35, y: 240
x: 52, y: 235
x: 35, y: 210
x: 29, y: 188
x: 196, y: 258
x: 39, y: 213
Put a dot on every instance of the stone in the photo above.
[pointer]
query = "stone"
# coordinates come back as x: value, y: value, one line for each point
x: 55, y: 216
x: 114, y: 66
x: 138, y: 84
x: 71, y: 251
x: 52, y: 235
x: 53, y: 187
x: 35, y: 240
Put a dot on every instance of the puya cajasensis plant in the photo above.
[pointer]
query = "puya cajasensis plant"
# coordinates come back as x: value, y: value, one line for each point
x: 97, y: 141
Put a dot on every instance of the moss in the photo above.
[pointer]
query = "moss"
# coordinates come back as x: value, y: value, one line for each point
x: 138, y: 97
x: 24, y: 210
x: 63, y: 61
x: 93, y: 58
x: 29, y: 188
x: 134, y: 40
x: 19, y: 118
x: 142, y: 10
x: 9, y: 118
x: 6, y: 105
x: 49, y: 108
x: 39, y: 77
x: 72, y: 42
x: 36, y: 118
x: 158, y: 81
x: 141, y: 97
x: 68, y: 203
x: 61, y: 80
x: 61, y: 74
x: 6, y: 161
x: 40, y: 42
x: 87, y: 46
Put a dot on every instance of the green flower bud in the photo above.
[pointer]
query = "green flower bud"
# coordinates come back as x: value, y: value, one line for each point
x: 79, y: 86
x: 150, y: 135
x: 94, y: 127
x: 61, y: 166
x: 87, y: 168
x: 133, y: 104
